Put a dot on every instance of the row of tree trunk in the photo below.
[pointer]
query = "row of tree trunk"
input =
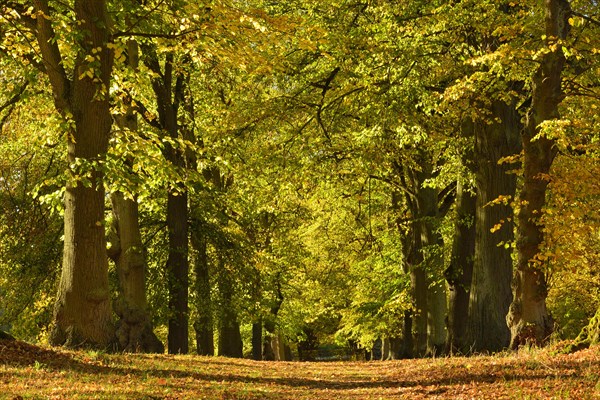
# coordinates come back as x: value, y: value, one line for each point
x: 492, y: 306
x: 479, y: 275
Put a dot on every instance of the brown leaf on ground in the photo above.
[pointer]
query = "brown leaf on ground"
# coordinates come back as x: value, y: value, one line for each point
x: 32, y: 371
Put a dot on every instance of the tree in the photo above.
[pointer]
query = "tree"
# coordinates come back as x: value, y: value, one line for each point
x: 490, y: 293
x: 528, y: 318
x: 203, y: 325
x: 83, y: 314
x: 459, y: 272
x: 134, y: 328
x: 169, y: 84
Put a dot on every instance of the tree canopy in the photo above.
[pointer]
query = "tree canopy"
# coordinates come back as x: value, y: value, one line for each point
x: 283, y: 178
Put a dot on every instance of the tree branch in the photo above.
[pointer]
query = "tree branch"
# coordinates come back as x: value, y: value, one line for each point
x: 156, y: 35
x: 51, y: 56
x: 16, y: 97
x: 146, y: 115
x: 587, y: 18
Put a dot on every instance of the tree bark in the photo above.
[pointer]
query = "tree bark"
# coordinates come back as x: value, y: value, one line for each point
x: 257, y: 330
x: 270, y: 327
x: 490, y: 294
x: 230, y: 339
x: 528, y: 318
x: 169, y: 92
x: 459, y: 273
x: 589, y: 335
x: 431, y: 241
x: 178, y: 269
x: 407, y: 346
x: 82, y: 314
x: 134, y: 328
x: 417, y: 344
x: 424, y: 260
x: 204, y: 322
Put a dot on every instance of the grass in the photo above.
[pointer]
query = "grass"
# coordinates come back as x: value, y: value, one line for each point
x: 31, y: 372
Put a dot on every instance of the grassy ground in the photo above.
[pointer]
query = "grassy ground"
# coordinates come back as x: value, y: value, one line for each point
x: 31, y: 372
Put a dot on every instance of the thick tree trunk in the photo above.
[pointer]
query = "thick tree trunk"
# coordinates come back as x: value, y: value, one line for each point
x: 385, y: 348
x: 204, y: 322
x: 407, y: 345
x: 460, y: 271
x: 280, y: 348
x: 395, y: 349
x: 257, y: 330
x: 134, y: 328
x: 82, y: 314
x: 424, y: 260
x: 528, y: 319
x: 431, y: 241
x: 491, y: 294
x: 418, y: 281
x: 270, y: 327
x: 230, y: 339
x: 168, y: 86
x: 431, y: 255
x: 267, y: 349
x: 589, y: 335
x: 178, y: 270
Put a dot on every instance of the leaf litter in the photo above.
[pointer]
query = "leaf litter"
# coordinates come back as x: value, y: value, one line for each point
x: 29, y: 371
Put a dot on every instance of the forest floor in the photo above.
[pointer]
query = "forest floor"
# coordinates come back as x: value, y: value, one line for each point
x: 28, y: 371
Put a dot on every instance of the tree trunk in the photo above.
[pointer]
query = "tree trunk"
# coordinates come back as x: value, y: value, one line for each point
x: 589, y: 335
x: 418, y: 283
x: 257, y: 340
x: 280, y: 348
x: 424, y: 260
x: 395, y: 348
x: 460, y: 271
x: 169, y: 92
x: 267, y: 353
x: 134, y: 328
x: 82, y: 314
x: 178, y: 270
x: 491, y: 294
x: 204, y: 322
x: 385, y: 349
x: 407, y: 346
x: 270, y: 327
x: 432, y: 260
x: 431, y: 241
x: 528, y: 319
x: 230, y: 339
